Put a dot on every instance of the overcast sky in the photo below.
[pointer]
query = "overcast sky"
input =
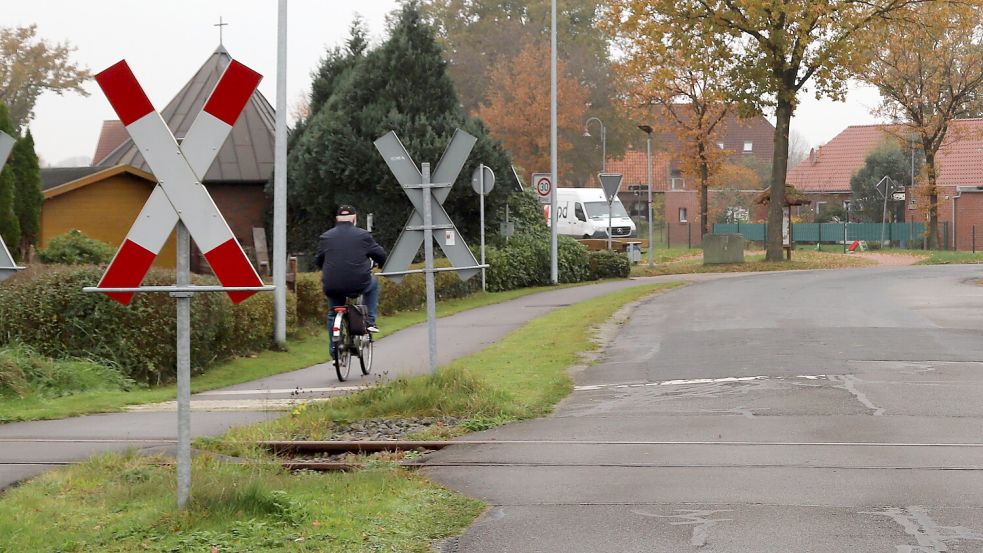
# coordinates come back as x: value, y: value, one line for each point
x: 166, y: 42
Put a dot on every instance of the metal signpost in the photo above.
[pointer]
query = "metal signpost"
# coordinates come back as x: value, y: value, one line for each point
x: 7, y: 265
x: 180, y: 200
x: 483, y: 180
x: 611, y: 183
x: 427, y: 194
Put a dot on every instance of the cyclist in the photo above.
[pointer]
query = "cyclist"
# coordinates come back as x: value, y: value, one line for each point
x: 345, y: 255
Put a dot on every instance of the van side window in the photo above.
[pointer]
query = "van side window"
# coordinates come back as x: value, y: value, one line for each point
x: 579, y: 212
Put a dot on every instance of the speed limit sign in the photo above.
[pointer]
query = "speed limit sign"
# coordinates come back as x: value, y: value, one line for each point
x: 544, y: 185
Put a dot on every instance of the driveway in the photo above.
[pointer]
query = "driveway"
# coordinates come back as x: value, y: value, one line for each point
x: 790, y: 412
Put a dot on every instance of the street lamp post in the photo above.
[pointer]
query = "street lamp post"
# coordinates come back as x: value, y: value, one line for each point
x: 648, y: 162
x: 604, y: 140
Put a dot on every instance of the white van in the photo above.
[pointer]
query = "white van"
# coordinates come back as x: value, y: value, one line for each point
x: 583, y: 213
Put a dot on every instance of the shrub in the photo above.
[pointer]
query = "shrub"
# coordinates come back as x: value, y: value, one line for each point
x: 525, y: 262
x: 23, y: 372
x: 75, y: 248
x: 407, y: 295
x: 48, y: 311
x: 605, y: 264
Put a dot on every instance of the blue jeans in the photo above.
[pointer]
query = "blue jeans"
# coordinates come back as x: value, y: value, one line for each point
x: 371, y: 298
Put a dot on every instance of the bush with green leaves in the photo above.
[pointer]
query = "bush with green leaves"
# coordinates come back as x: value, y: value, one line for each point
x: 525, y: 261
x: 45, y: 309
x: 407, y: 295
x: 75, y: 248
x: 605, y: 264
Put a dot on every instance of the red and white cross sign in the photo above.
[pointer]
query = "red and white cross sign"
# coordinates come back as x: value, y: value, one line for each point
x: 179, y: 168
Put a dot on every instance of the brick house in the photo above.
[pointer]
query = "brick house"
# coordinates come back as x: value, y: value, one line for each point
x: 745, y: 139
x: 825, y: 176
x: 236, y: 180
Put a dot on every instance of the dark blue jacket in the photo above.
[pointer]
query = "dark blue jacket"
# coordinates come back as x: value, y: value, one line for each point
x: 343, y: 253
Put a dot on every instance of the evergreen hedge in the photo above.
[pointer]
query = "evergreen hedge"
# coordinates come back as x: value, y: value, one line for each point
x: 46, y: 310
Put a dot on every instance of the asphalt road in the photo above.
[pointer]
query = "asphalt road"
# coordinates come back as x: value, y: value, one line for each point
x: 29, y: 448
x: 790, y: 412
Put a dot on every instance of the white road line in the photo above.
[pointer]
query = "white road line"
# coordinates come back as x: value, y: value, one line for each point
x: 276, y: 404
x: 281, y: 391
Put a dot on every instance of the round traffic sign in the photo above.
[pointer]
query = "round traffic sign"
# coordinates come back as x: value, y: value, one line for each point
x: 544, y: 186
x: 489, y: 180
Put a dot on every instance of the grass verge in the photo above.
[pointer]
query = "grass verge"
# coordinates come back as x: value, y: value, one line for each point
x: 125, y: 502
x: 801, y: 260
x: 307, y: 347
x: 951, y: 258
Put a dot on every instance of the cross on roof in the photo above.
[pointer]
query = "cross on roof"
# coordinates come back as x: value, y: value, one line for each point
x: 220, y: 24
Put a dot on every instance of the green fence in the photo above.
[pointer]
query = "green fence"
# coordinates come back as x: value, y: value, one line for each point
x: 912, y: 234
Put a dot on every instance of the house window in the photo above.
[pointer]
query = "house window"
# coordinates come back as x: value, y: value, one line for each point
x: 820, y: 206
x: 682, y: 215
x: 748, y: 146
x: 720, y: 145
x: 676, y: 180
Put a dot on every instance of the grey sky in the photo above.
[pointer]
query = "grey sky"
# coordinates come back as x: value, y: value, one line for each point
x: 166, y: 42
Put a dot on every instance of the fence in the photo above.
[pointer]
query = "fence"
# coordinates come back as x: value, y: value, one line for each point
x: 903, y: 235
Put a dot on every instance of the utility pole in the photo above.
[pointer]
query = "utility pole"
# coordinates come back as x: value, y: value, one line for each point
x: 554, y: 266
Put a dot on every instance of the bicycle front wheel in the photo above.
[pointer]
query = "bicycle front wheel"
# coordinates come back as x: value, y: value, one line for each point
x: 343, y: 351
x: 365, y: 354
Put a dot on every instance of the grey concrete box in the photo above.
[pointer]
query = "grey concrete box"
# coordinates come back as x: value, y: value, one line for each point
x: 723, y: 248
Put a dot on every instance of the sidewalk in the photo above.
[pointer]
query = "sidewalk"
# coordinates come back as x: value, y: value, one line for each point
x: 29, y: 448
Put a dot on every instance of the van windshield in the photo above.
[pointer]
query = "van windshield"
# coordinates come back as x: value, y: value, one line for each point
x: 597, y: 210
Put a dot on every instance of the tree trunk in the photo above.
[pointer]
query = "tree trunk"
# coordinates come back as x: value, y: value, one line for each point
x: 932, y: 230
x: 783, y: 115
x: 704, y: 195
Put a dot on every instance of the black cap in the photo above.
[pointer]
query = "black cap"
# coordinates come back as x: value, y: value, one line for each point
x: 345, y: 210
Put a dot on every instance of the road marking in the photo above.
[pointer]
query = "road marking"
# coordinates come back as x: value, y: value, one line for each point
x: 271, y: 404
x: 669, y: 383
x: 281, y: 391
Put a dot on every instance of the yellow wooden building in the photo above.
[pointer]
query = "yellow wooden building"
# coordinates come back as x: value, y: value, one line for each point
x: 102, y: 202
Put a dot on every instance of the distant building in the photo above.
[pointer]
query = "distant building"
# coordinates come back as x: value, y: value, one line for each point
x: 118, y: 177
x: 825, y: 175
x: 743, y: 139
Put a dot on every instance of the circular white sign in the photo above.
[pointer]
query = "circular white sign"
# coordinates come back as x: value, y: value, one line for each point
x: 544, y: 186
x: 489, y: 180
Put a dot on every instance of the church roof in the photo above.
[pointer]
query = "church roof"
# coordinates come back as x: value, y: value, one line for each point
x: 246, y: 156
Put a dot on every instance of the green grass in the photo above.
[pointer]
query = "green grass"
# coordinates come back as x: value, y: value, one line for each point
x: 123, y: 502
x: 521, y: 376
x: 950, y: 257
x: 306, y: 348
x: 801, y: 260
x: 126, y: 503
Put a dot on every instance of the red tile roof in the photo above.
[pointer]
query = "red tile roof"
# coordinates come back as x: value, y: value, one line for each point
x: 830, y: 167
x: 113, y: 134
x: 632, y: 166
x: 736, y: 132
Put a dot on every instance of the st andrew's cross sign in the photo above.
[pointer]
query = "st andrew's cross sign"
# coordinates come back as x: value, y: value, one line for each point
x: 180, y: 194
x: 411, y: 180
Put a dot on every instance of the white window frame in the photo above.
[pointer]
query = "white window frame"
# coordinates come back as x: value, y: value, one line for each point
x: 683, y: 215
x: 748, y: 146
x: 677, y: 183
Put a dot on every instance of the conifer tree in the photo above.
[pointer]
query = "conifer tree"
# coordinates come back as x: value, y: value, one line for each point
x: 27, y: 192
x: 9, y: 224
x: 401, y: 86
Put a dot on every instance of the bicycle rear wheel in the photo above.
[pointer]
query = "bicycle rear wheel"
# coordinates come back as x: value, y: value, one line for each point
x: 365, y: 354
x: 343, y: 351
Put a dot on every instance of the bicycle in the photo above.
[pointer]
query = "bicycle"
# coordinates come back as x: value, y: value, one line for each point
x: 350, y: 340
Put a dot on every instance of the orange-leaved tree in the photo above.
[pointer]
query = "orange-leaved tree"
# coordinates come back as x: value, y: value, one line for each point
x: 775, y: 48
x: 686, y: 80
x: 517, y: 108
x: 929, y: 71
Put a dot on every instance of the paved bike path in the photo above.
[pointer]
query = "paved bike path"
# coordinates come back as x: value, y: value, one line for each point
x: 29, y: 448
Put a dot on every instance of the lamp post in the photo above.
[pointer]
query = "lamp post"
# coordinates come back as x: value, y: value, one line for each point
x: 604, y: 140
x: 647, y: 129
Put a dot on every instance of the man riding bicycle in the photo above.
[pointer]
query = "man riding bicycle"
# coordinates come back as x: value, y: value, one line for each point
x: 345, y: 255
